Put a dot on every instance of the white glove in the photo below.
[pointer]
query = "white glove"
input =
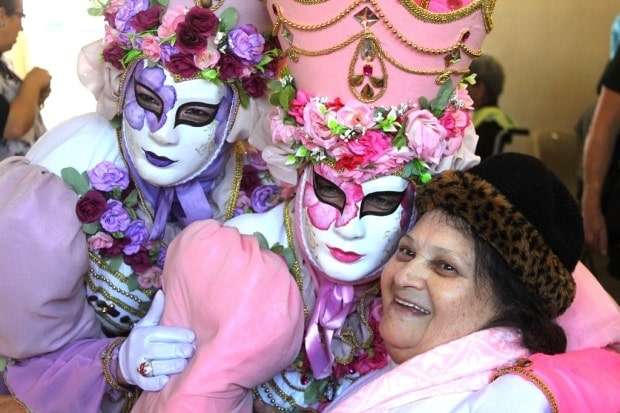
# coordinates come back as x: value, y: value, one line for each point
x: 166, y: 349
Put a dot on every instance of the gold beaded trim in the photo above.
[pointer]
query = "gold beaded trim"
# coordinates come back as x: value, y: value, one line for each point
x: 98, y: 290
x: 311, y: 2
x: 236, y: 182
x: 106, y: 364
x: 485, y: 6
x: 281, y: 19
x: 520, y: 369
x: 296, y: 267
x: 115, y: 288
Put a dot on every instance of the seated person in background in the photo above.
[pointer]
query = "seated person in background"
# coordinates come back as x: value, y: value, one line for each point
x: 20, y: 121
x: 489, y: 120
x: 473, y: 291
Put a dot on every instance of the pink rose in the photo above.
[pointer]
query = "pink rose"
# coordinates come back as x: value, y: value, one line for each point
x: 318, y: 134
x: 151, y: 48
x: 371, y: 145
x: 100, y: 241
x: 455, y: 121
x: 207, y: 58
x: 171, y: 19
x: 150, y: 278
x: 281, y: 132
x: 426, y: 136
x: 356, y: 116
x: 297, y: 106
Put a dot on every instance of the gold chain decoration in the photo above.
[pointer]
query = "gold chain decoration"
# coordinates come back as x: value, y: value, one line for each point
x: 281, y: 19
x: 236, y: 182
x: 296, y: 267
x: 311, y: 2
x: 106, y: 364
x: 485, y: 6
x: 521, y: 369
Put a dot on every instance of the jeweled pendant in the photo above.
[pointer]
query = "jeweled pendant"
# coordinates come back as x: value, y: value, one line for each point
x: 367, y: 71
x: 366, y: 17
x: 368, y: 50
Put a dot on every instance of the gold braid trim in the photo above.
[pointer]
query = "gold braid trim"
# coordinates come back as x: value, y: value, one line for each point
x: 239, y: 153
x: 485, y: 6
x: 296, y: 268
x: 520, y: 369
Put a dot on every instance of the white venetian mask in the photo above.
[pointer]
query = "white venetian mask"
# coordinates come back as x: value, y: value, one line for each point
x: 170, y: 127
x: 350, y: 230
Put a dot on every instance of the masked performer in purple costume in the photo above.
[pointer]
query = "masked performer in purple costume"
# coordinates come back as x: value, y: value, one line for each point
x: 183, y: 85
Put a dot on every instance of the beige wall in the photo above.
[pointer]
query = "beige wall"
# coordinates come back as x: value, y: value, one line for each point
x: 553, y: 52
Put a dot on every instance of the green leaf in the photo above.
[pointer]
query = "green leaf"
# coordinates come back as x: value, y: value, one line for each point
x: 114, y: 264
x: 95, y: 11
x: 302, y: 152
x: 163, y: 2
x: 90, y: 229
x: 439, y: 104
x: 312, y: 393
x: 2, y: 364
x: 132, y: 282
x: 277, y: 249
x: 210, y: 74
x: 262, y: 241
x: 286, y: 95
x: 275, y: 86
x: 244, y: 99
x: 228, y: 19
x: 426, y: 177
x: 117, y: 193
x: 400, y: 140
x: 131, y: 200
x: 75, y: 180
x: 132, y: 213
x: 424, y: 103
x: 408, y: 171
x: 118, y: 235
x: 289, y: 256
x: 130, y: 56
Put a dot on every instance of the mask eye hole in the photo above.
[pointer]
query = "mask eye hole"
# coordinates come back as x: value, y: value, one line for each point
x: 328, y: 192
x: 196, y: 114
x: 149, y: 100
x: 381, y: 203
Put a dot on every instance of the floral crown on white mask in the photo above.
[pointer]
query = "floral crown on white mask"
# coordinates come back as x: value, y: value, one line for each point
x: 191, y: 43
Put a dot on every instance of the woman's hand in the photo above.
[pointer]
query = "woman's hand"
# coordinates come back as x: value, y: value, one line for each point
x: 151, y: 353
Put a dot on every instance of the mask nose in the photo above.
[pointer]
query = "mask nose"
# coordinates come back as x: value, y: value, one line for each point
x: 166, y: 135
x: 354, y: 229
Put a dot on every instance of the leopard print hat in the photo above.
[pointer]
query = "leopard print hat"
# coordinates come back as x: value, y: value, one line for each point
x: 516, y: 204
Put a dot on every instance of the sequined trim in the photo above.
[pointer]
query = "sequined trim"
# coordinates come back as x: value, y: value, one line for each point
x: 236, y: 182
x: 99, y: 290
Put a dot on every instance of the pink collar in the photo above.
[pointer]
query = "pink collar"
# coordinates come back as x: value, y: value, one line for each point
x: 462, y: 365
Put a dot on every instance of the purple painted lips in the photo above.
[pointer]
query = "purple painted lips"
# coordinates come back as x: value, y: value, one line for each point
x: 158, y: 161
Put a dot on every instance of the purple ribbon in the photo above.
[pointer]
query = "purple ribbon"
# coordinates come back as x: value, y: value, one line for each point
x: 334, y: 303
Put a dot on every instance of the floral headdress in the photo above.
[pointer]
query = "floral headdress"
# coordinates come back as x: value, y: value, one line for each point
x: 190, y: 43
x: 361, y: 141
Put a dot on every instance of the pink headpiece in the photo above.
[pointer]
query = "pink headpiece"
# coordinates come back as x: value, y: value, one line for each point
x: 372, y: 88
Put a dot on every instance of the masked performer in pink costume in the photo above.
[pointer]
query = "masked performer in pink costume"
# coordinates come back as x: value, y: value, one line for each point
x: 358, y: 138
x: 183, y: 85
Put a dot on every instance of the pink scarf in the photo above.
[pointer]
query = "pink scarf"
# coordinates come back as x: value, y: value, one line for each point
x: 462, y: 365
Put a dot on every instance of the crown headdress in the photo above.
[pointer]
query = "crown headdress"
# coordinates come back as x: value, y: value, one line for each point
x: 404, y: 59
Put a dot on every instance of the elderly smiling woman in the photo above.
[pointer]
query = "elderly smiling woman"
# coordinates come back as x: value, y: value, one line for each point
x: 473, y: 291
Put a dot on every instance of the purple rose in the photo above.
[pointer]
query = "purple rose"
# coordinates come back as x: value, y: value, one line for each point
x: 139, y: 262
x: 182, y: 64
x: 230, y: 67
x: 91, y: 207
x: 147, y: 19
x: 254, y: 85
x: 106, y: 177
x: 115, y: 218
x: 127, y: 11
x: 114, y: 54
x: 265, y: 197
x: 167, y: 51
x: 138, y: 234
x: 247, y: 43
x: 189, y: 39
x: 202, y: 20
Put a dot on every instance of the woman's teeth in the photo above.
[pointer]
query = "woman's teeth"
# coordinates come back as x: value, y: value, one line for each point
x: 412, y: 306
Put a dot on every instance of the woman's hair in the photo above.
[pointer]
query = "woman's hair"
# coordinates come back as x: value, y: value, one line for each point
x: 8, y: 6
x: 517, y: 307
